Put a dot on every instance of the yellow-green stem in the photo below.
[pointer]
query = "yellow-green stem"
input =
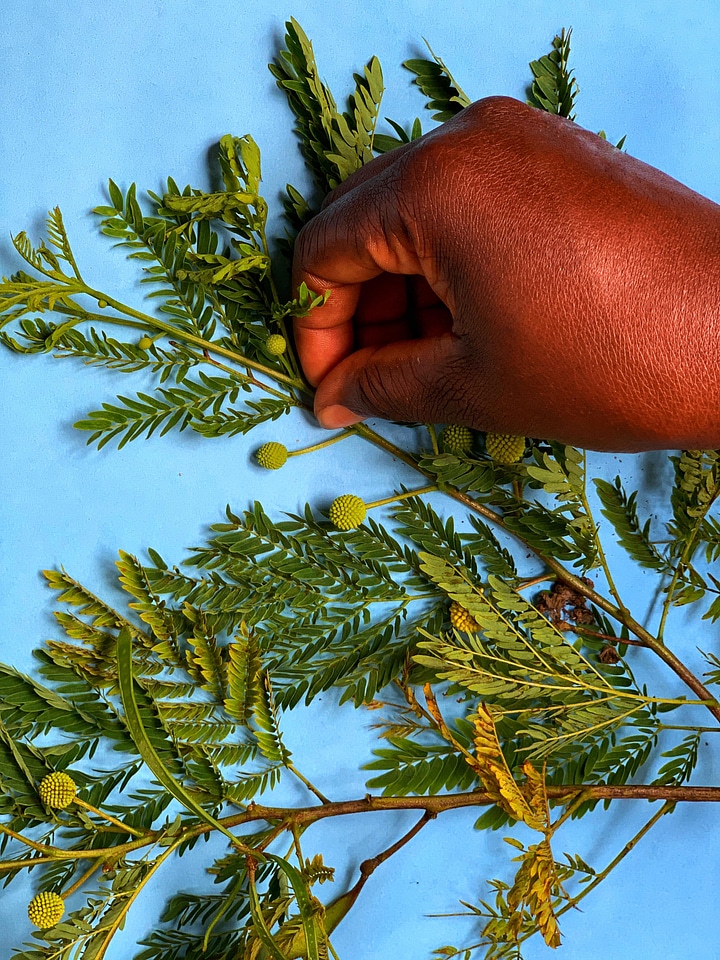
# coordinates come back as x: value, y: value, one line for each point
x: 293, y: 769
x: 534, y: 581
x: 629, y: 846
x: 288, y: 359
x: 204, y: 357
x: 106, y: 816
x: 19, y: 864
x: 321, y: 445
x: 78, y: 883
x: 56, y: 853
x: 401, y: 496
x: 208, y: 345
x: 120, y: 919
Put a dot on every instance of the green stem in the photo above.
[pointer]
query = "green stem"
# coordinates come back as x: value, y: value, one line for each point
x: 600, y: 551
x: 181, y: 334
x: 684, y: 562
x: 93, y: 868
x: 204, y: 357
x: 629, y: 846
x: 230, y: 896
x: 581, y: 798
x: 293, y: 769
x: 401, y: 496
x: 534, y: 581
x: 296, y: 845
x: 120, y: 919
x: 667, y: 604
x: 19, y: 864
x: 321, y: 445
x: 676, y: 726
x: 106, y: 816
x: 372, y: 436
x: 56, y: 853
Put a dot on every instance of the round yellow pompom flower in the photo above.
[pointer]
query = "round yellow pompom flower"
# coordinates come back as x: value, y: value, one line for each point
x: 456, y: 439
x: 504, y: 447
x: 57, y: 790
x: 271, y: 455
x: 461, y: 619
x: 46, y: 909
x: 276, y: 345
x: 347, y: 512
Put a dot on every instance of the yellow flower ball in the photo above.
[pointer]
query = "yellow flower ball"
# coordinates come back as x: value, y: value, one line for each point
x: 347, y: 512
x: 57, y: 790
x: 456, y: 439
x: 504, y: 447
x: 461, y: 619
x: 276, y: 345
x: 271, y: 455
x: 46, y: 909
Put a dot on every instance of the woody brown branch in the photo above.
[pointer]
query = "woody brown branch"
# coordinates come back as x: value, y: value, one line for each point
x: 432, y: 806
x: 439, y: 804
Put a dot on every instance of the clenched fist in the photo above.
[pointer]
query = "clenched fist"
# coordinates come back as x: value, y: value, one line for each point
x: 513, y: 272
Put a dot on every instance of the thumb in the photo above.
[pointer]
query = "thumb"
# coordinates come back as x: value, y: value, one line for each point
x: 411, y: 381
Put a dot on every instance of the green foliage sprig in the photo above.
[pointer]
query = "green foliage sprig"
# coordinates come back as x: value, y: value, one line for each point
x: 554, y: 88
x: 530, y: 705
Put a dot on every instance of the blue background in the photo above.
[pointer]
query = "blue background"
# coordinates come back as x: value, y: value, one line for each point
x: 142, y: 89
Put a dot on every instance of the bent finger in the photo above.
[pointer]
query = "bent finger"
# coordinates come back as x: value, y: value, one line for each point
x: 358, y: 237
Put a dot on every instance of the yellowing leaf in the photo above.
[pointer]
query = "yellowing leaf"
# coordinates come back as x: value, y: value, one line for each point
x: 495, y: 774
x: 535, y: 885
x: 535, y: 793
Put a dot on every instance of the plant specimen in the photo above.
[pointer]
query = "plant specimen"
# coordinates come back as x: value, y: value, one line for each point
x: 504, y: 678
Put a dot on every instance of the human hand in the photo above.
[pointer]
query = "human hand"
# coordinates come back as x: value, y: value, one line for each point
x: 515, y: 273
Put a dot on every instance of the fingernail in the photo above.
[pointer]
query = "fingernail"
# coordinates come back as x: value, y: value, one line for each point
x: 336, y: 416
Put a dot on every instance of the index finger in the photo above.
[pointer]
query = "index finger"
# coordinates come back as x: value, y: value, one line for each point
x: 329, y: 259
x: 325, y: 336
x: 356, y: 237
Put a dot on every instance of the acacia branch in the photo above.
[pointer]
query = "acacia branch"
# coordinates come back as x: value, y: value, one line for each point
x: 432, y: 806
x: 436, y: 805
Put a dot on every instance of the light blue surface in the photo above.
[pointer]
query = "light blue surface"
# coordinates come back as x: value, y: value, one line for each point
x: 138, y: 90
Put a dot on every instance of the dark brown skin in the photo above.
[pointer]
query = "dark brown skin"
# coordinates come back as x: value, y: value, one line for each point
x: 513, y: 272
